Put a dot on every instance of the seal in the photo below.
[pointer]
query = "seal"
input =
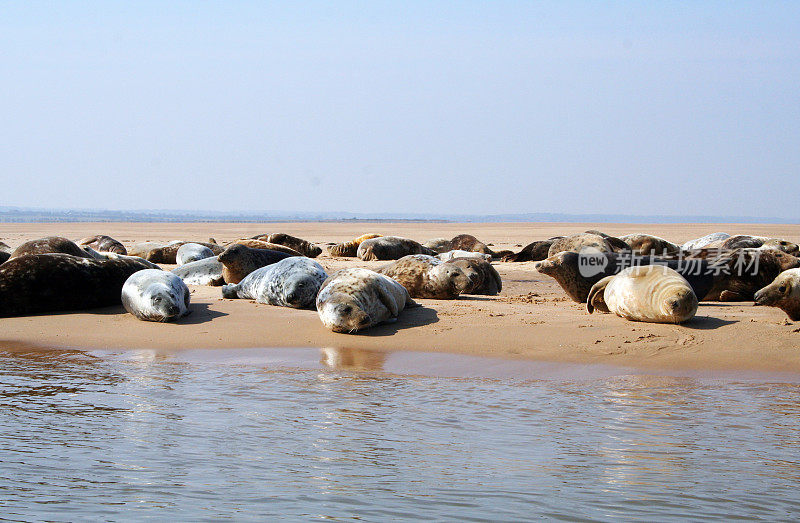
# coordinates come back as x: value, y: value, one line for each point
x: 103, y: 243
x: 169, y: 253
x: 141, y: 249
x: 114, y: 256
x: 742, y: 241
x: 354, y: 299
x: 304, y: 247
x: 577, y: 280
x: 535, y: 251
x: 577, y: 242
x: 649, y: 293
x: 745, y: 271
x: 291, y: 282
x: 424, y: 276
x: 646, y: 244
x: 155, y: 295
x: 207, y: 271
x: 5, y: 252
x: 50, y: 245
x: 467, y: 242
x: 388, y: 248
x: 260, y: 244
x: 350, y: 249
x: 36, y: 283
x: 704, y: 241
x: 484, y: 278
x: 190, y: 252
x: 452, y: 255
x: 438, y: 245
x: 239, y: 260
x: 783, y: 293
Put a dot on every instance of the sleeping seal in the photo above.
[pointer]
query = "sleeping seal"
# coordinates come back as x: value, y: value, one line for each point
x: 155, y: 295
x: 484, y: 279
x: 36, y: 283
x: 261, y: 244
x: 535, y: 251
x: 304, y: 247
x: 238, y: 261
x: 649, y: 293
x: 190, y: 252
x: 354, y: 299
x: 644, y: 244
x: 291, y: 282
x: 424, y: 276
x: 50, y: 245
x: 783, y: 293
x: 207, y: 271
x: 703, y: 242
x: 388, y: 248
x: 452, y: 255
x: 350, y: 249
x: 438, y: 245
x: 168, y: 253
x: 103, y: 243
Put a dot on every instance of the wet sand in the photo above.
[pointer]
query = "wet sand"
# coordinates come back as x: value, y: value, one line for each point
x: 531, y: 319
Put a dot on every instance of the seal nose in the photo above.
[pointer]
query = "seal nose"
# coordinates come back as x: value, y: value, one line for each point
x: 291, y: 297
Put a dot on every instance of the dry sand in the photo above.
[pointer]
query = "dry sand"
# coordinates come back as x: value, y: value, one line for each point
x: 532, y: 318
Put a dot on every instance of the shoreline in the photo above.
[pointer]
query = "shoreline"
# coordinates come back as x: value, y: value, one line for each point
x: 531, y: 320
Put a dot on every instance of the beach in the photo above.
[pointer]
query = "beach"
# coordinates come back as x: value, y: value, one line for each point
x: 532, y: 318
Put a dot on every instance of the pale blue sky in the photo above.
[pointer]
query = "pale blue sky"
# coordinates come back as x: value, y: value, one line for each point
x: 443, y: 107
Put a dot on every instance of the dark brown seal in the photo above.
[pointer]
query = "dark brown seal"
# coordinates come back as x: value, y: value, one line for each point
x: 35, y: 283
x: 484, y: 279
x: 745, y: 271
x: 304, y: 247
x: 169, y: 253
x: 103, y: 243
x: 535, y: 251
x: 742, y: 241
x: 50, y: 245
x: 469, y: 243
x: 424, y: 276
x: 239, y: 260
x: 389, y: 248
x: 565, y: 268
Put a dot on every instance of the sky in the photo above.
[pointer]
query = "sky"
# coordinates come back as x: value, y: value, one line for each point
x: 634, y: 108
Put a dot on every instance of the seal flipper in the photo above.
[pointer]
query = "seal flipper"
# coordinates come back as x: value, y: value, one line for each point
x: 596, y: 299
x: 230, y: 291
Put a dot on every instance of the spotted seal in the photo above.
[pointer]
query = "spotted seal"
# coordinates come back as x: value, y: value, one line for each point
x: 745, y: 271
x: 354, y: 299
x: 469, y: 243
x: 50, y: 245
x: 239, y: 260
x: 388, y: 248
x: 169, y: 253
x: 36, y: 283
x: 783, y: 292
x: 704, y: 241
x: 424, y: 276
x: 643, y: 244
x: 304, y: 247
x: 648, y: 293
x: 438, y: 245
x: 350, y: 249
x: 155, y: 295
x: 452, y: 255
x: 484, y: 278
x: 291, y: 282
x: 207, y: 271
x: 594, y: 239
x: 103, y: 243
x: 261, y: 244
x: 191, y: 252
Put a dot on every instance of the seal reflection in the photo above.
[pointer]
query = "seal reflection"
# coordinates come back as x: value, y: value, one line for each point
x: 342, y: 358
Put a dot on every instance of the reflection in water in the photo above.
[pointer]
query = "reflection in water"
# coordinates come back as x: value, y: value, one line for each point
x: 339, y: 358
x: 152, y: 434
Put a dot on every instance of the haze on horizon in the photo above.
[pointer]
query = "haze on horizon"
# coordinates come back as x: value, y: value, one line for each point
x: 637, y: 108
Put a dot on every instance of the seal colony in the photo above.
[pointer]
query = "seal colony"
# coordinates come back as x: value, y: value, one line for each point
x: 639, y: 276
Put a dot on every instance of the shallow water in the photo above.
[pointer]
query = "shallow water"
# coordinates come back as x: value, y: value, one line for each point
x: 308, y: 434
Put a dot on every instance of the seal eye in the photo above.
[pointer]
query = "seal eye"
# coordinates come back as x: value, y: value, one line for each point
x: 347, y: 309
x: 782, y: 289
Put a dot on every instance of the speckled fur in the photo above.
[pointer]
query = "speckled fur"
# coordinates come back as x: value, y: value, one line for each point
x: 239, y: 260
x: 424, y: 276
x: 350, y: 249
x: 304, y: 247
x: 484, y: 278
x: 292, y: 282
x: 354, y: 299
x: 103, y: 243
x: 388, y: 248
x: 155, y: 295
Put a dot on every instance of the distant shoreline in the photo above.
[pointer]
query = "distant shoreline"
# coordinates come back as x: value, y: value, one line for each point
x: 35, y: 215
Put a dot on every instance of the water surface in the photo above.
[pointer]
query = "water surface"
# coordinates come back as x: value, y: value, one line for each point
x: 344, y: 434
